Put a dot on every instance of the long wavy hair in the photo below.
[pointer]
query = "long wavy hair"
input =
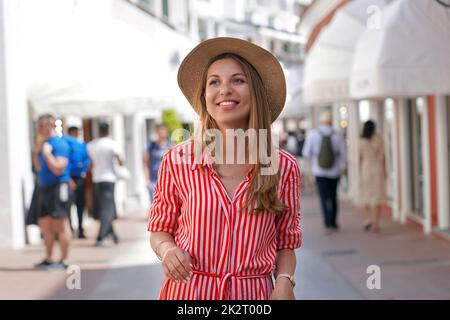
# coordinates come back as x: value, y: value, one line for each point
x: 263, y: 188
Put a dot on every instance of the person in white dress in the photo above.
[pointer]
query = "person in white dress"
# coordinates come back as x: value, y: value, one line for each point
x: 372, y: 177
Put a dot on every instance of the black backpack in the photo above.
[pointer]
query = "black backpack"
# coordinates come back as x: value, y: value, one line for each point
x: 326, y: 155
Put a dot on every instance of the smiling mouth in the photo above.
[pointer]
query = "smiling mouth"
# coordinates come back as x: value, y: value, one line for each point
x: 228, y: 105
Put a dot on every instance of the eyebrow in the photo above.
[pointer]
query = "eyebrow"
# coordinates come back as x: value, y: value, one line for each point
x: 236, y: 74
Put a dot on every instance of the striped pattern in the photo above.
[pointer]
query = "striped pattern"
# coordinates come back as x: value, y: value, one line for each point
x: 233, y: 252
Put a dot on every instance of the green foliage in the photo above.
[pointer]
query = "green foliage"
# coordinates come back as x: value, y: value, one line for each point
x: 171, y: 120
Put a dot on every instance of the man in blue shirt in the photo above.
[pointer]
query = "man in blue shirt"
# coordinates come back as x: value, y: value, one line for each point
x: 79, y: 162
x: 51, y: 160
x: 153, y: 157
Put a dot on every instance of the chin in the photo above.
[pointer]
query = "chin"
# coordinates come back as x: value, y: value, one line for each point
x: 231, y: 121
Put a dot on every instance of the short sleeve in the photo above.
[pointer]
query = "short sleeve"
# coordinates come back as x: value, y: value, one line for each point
x: 61, y: 148
x: 150, y: 147
x: 165, y: 207
x: 116, y: 148
x: 289, y: 235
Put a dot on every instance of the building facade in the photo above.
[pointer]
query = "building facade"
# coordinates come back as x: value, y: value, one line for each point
x: 412, y: 114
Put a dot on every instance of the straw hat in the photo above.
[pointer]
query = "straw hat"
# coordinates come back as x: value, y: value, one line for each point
x: 192, y: 68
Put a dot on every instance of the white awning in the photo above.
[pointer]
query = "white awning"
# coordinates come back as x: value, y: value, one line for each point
x: 91, y: 66
x: 329, y: 62
x: 317, y: 10
x: 408, y: 56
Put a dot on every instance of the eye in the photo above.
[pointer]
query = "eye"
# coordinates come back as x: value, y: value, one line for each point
x: 213, y: 82
x: 239, y: 80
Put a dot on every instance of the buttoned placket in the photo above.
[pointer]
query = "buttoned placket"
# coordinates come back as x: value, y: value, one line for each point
x: 228, y: 207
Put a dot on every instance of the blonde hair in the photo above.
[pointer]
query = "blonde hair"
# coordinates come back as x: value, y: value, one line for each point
x: 263, y: 188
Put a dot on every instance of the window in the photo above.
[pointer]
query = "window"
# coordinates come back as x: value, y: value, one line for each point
x: 202, y: 29
x: 283, y: 5
x: 148, y: 4
x: 165, y: 8
x: 364, y: 111
x: 271, y: 22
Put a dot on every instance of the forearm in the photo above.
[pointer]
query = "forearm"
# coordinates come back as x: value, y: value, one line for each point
x: 120, y: 160
x: 55, y: 165
x: 161, y: 241
x: 146, y: 172
x: 145, y: 163
x: 285, y: 262
x: 86, y: 166
x: 36, y: 163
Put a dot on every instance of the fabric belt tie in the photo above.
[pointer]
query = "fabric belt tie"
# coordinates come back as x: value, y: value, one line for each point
x: 224, y: 280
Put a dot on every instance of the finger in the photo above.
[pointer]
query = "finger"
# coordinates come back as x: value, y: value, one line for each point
x: 174, y: 271
x: 185, y: 262
x: 184, y: 274
x: 170, y: 261
x: 168, y: 273
x: 171, y: 274
x: 189, y: 260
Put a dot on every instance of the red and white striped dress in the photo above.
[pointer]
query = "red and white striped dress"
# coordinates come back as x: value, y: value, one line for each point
x: 233, y: 253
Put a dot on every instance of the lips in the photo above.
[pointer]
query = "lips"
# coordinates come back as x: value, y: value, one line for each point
x: 228, y: 104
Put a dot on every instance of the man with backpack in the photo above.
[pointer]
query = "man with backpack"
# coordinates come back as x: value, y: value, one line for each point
x: 327, y: 151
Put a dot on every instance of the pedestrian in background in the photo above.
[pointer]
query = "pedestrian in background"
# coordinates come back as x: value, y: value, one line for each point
x: 51, y: 161
x: 105, y: 155
x: 223, y: 230
x: 327, y: 152
x: 301, y: 137
x: 292, y: 143
x: 308, y: 185
x: 79, y: 162
x: 372, y: 176
x: 153, y: 157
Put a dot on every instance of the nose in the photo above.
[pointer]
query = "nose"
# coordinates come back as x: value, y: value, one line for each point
x: 225, y: 88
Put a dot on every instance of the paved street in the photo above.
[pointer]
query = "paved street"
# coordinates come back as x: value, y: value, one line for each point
x: 413, y: 266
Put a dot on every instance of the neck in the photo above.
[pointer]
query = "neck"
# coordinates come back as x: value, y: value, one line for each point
x: 234, y: 147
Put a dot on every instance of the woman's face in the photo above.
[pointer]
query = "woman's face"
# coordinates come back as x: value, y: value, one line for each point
x: 227, y: 94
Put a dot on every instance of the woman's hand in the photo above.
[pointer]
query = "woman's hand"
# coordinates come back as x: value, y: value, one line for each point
x: 283, y: 290
x: 176, y: 263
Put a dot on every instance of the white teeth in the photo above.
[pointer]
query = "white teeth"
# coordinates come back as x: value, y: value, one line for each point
x: 227, y: 103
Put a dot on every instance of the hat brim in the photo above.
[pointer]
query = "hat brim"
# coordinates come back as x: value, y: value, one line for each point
x: 266, y: 64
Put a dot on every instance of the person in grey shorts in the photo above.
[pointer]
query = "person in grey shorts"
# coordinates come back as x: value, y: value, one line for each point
x: 50, y: 158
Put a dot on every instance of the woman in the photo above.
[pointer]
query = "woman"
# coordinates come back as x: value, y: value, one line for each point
x: 222, y: 230
x: 372, y: 185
